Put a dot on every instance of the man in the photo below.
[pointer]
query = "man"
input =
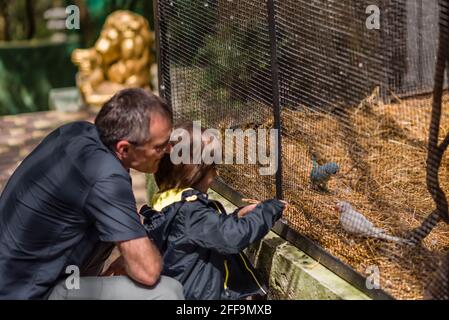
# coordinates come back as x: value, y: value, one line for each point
x: 71, y: 200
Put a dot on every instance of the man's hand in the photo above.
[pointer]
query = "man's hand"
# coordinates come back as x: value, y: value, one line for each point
x: 142, y: 260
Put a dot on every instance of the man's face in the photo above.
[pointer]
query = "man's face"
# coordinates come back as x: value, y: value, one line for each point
x: 146, y: 157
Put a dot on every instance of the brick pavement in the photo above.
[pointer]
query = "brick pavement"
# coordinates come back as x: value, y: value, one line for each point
x: 20, y: 134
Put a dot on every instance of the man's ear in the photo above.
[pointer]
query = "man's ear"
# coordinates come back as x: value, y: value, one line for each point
x: 122, y: 149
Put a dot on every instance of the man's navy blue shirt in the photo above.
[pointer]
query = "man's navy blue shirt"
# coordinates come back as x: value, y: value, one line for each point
x: 67, y: 197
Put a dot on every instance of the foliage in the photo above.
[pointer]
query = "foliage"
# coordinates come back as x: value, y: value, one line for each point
x: 30, y: 70
x: 234, y: 58
x: 24, y: 19
x: 189, y: 23
x: 95, y: 12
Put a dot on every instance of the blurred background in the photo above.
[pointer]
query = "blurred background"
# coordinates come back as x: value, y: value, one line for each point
x: 36, y: 46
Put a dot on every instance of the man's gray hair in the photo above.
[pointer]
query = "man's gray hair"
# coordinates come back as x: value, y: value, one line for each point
x: 127, y: 116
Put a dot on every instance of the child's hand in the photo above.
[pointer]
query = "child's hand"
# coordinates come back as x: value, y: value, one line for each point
x: 252, y: 201
x: 245, y: 210
x: 286, y: 204
x: 248, y: 208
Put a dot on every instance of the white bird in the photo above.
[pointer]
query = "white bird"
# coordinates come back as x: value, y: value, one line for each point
x: 356, y: 223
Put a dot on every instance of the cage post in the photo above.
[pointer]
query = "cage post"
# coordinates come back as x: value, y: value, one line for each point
x: 420, y: 43
x: 275, y: 94
x: 435, y: 150
x: 161, y: 54
x: 158, y: 44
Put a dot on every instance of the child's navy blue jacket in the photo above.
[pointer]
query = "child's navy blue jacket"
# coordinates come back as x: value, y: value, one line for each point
x: 201, y: 246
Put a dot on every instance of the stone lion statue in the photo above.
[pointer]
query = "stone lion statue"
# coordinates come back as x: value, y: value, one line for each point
x: 120, y: 59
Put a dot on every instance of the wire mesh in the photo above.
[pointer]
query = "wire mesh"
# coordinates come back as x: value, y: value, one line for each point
x: 216, y: 66
x: 355, y: 119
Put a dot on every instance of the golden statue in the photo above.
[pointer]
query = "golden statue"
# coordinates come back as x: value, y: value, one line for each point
x: 120, y: 58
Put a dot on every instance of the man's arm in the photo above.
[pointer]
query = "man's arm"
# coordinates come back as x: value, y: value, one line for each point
x: 142, y: 260
x: 112, y: 206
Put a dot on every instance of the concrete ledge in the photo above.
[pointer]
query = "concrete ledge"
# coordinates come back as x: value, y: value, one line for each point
x: 292, y: 274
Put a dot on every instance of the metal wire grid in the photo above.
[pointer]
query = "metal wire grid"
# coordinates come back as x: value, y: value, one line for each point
x: 217, y: 67
x: 337, y: 63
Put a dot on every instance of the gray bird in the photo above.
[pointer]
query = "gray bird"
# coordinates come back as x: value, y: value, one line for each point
x: 320, y: 175
x: 356, y: 223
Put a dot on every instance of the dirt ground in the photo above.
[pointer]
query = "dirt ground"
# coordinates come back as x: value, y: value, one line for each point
x: 382, y: 152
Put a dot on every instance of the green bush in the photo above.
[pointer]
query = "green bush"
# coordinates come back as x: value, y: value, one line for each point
x: 24, y: 19
x: 96, y: 12
x: 189, y: 23
x: 233, y: 59
x: 29, y: 69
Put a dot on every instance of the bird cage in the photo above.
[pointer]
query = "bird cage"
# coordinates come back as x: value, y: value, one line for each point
x: 356, y: 93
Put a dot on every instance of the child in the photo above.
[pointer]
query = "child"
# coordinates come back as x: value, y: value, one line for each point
x: 202, y: 245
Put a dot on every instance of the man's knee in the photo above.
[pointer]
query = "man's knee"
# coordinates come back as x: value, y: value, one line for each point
x: 171, y: 289
x: 58, y: 292
x: 119, y: 287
